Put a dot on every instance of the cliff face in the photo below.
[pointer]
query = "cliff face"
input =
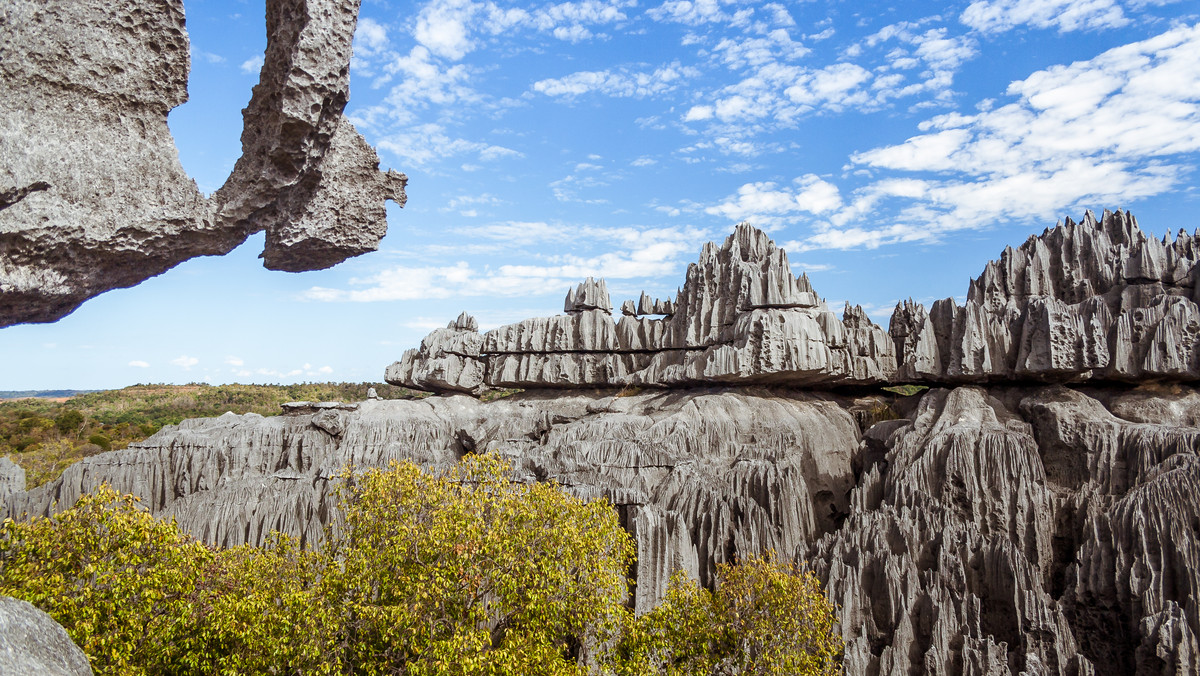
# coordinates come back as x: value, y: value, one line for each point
x: 92, y: 194
x: 1041, y: 521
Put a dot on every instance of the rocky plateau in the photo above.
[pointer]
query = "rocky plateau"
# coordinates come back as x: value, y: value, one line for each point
x: 1035, y: 509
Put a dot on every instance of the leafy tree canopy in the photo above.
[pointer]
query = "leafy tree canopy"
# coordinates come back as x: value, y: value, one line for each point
x: 464, y: 572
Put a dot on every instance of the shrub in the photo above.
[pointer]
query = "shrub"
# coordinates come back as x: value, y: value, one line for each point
x: 467, y: 572
x: 69, y: 421
x: 765, y: 617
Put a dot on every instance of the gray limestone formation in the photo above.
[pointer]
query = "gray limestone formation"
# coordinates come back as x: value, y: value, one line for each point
x: 1094, y: 300
x: 696, y: 476
x: 1040, y: 517
x: 31, y: 642
x: 741, y: 317
x: 998, y: 530
x: 92, y: 194
x: 12, y: 477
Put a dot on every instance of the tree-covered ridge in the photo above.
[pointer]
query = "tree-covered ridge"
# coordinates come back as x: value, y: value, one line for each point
x: 466, y: 572
x: 45, y: 436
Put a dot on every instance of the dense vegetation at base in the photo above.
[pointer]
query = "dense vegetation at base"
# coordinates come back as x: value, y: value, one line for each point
x: 45, y: 436
x: 463, y: 573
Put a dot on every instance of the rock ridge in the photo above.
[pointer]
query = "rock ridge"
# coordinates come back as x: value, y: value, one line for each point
x: 1096, y: 301
x: 741, y: 317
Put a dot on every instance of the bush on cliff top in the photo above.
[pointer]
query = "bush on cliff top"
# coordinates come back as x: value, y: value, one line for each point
x: 463, y: 573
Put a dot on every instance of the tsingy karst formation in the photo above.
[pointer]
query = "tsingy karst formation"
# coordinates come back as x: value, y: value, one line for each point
x: 92, y: 194
x: 741, y: 317
x: 1036, y: 511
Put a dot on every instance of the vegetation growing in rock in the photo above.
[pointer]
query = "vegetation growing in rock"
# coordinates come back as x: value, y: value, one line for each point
x: 44, y: 436
x: 466, y: 572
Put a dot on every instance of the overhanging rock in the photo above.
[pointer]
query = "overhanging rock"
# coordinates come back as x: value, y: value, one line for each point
x: 92, y: 194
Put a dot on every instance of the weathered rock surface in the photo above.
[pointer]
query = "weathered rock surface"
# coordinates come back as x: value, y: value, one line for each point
x: 1005, y: 526
x: 996, y: 530
x: 697, y: 476
x: 92, y: 194
x: 31, y: 642
x: 12, y: 477
x: 1094, y: 300
x: 741, y: 317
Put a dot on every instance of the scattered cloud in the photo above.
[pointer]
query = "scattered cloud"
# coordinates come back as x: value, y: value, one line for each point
x: 1102, y: 131
x: 995, y: 16
x: 765, y: 203
x: 617, y: 84
x: 252, y: 65
x: 138, y: 363
x: 639, y: 254
x: 185, y: 362
x: 423, y: 144
x: 234, y: 361
x: 370, y: 37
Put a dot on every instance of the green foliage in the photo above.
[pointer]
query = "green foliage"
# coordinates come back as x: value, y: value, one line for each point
x: 472, y: 573
x: 765, y: 617
x: 906, y: 390
x: 69, y: 421
x: 462, y: 573
x: 45, y: 436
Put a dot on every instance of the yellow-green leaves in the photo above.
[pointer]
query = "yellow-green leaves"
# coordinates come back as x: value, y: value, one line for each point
x: 766, y: 617
x: 472, y: 573
x: 462, y: 573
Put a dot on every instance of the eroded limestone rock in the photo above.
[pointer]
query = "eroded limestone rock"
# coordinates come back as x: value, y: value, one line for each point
x: 92, y: 194
x: 31, y: 642
x: 697, y: 476
x: 1094, y: 300
x: 741, y: 317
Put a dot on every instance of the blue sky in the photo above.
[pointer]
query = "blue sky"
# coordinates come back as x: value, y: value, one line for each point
x: 892, y: 149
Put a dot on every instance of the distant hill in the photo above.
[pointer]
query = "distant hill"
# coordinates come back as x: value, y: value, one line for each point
x: 42, y: 394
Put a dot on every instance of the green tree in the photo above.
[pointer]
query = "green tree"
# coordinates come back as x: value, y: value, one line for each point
x: 69, y: 421
x: 472, y: 573
x: 464, y: 572
x: 765, y: 617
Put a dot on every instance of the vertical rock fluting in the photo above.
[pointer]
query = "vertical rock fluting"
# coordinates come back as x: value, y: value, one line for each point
x: 1094, y: 300
x: 699, y: 476
x: 940, y: 566
x: 740, y: 317
x: 92, y: 194
x: 1007, y: 530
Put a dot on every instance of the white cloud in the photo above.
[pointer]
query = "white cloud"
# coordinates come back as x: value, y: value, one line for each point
x: 994, y: 16
x: 139, y: 364
x: 185, y: 362
x: 325, y: 370
x: 695, y: 12
x: 442, y: 27
x: 1097, y: 132
x: 618, y: 84
x: 765, y: 203
x: 234, y: 361
x: 370, y: 37
x: 252, y: 65
x: 423, y: 144
x: 643, y: 253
